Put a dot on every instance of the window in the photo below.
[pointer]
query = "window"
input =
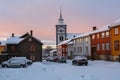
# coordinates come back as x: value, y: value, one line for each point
x: 116, y: 30
x: 61, y: 38
x: 80, y: 49
x: 116, y: 45
x: 103, y: 35
x: 80, y: 40
x: 74, y: 49
x: 103, y: 46
x: 93, y: 36
x: 32, y: 47
x: 30, y: 39
x: 13, y: 48
x: 86, y: 49
x: 86, y: 39
x: 107, y: 46
x: 107, y: 34
x: 77, y: 40
x: 98, y: 36
x: 98, y: 46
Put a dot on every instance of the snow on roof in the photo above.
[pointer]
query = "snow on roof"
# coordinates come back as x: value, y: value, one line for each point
x: 101, y: 29
x: 116, y: 23
x: 82, y: 35
x: 71, y: 42
x: 64, y: 42
x: 14, y: 40
x: 3, y: 43
x: 52, y: 51
x: 72, y: 35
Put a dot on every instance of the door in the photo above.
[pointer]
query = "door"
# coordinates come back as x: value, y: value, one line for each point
x: 32, y: 57
x: 93, y: 53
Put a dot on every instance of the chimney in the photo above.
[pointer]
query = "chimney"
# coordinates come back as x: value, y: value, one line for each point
x: 94, y: 28
x: 12, y: 34
x: 31, y: 32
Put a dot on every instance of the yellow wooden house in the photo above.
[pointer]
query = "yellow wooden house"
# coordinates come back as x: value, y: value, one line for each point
x: 115, y: 40
x: 2, y: 46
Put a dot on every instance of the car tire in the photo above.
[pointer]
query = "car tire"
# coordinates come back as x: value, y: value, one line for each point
x: 73, y: 63
x: 22, y: 66
x: 5, y: 66
x: 86, y: 64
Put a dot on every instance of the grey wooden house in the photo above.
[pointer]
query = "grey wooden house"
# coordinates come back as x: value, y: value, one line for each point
x: 25, y: 46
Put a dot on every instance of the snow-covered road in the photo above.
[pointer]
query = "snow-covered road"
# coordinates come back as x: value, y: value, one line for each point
x: 96, y: 70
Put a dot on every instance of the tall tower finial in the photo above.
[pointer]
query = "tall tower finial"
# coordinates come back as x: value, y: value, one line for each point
x: 61, y: 18
x: 60, y: 13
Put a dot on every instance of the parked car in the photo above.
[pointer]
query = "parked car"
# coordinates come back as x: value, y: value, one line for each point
x: 52, y: 59
x: 62, y: 60
x: 80, y: 60
x: 29, y: 62
x: 49, y: 59
x: 16, y: 62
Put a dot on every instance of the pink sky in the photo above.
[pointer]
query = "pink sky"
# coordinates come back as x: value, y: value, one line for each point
x: 41, y: 16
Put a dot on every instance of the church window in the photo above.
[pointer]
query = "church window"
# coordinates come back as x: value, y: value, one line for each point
x: 61, y: 38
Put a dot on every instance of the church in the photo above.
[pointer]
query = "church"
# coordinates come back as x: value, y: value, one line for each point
x: 62, y: 36
x: 61, y: 31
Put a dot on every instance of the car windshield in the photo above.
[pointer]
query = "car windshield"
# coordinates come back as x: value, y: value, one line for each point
x: 80, y: 57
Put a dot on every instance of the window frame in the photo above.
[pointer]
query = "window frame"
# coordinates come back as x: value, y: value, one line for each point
x: 116, y: 45
x: 116, y: 30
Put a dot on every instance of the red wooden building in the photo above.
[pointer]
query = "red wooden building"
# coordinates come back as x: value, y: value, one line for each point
x: 62, y: 48
x: 100, y: 43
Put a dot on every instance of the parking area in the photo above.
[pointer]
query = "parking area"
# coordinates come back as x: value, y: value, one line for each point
x: 96, y: 70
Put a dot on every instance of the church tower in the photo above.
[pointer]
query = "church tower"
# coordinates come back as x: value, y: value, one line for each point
x: 60, y: 30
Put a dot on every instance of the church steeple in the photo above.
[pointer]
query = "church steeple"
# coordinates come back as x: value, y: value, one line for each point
x: 61, y: 29
x: 61, y: 18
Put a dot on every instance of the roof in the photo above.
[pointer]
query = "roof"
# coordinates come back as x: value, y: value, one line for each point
x: 71, y: 42
x: 82, y: 35
x: 52, y: 51
x: 65, y: 42
x: 72, y: 35
x: 3, y: 43
x: 116, y: 23
x: 14, y: 40
x: 101, y: 29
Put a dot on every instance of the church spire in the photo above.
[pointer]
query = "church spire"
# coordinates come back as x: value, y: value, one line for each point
x: 60, y: 13
x: 61, y: 18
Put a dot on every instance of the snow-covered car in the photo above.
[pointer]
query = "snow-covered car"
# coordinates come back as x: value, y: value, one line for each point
x: 80, y: 60
x: 16, y: 62
x: 52, y: 59
x: 62, y: 60
x: 29, y: 62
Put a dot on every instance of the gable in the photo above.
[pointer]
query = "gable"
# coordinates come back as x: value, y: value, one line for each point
x: 31, y: 39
